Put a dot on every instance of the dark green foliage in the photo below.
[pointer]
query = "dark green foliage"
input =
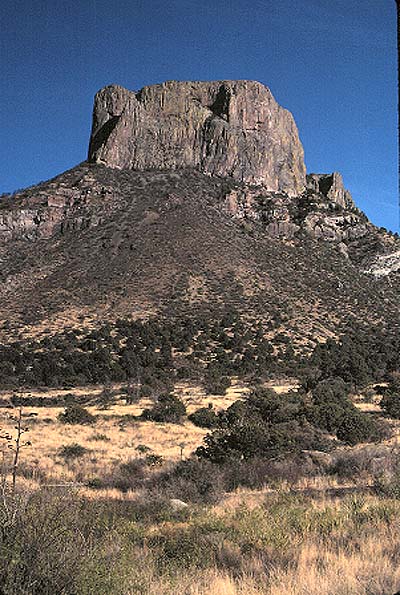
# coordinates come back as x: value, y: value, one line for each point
x: 153, y: 460
x: 390, y: 402
x: 265, y: 425
x: 147, y: 353
x: 330, y: 402
x: 216, y: 380
x: 330, y: 408
x: 362, y: 355
x: 72, y: 451
x: 356, y: 426
x: 205, y: 417
x: 75, y: 414
x: 151, y: 355
x: 167, y: 409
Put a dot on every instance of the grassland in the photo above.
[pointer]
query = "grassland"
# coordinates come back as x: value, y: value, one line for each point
x: 286, y: 544
x: 330, y: 533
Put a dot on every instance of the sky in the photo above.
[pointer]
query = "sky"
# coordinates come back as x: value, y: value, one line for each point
x: 332, y: 63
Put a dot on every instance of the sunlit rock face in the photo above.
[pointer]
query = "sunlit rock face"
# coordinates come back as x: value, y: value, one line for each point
x: 223, y: 128
x: 331, y: 186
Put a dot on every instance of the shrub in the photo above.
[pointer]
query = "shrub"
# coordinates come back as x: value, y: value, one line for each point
x: 357, y: 426
x: 330, y: 403
x: 390, y: 403
x: 369, y: 459
x: 167, y: 409
x: 130, y: 475
x: 186, y: 548
x: 217, y: 386
x: 99, y: 436
x: 146, y: 391
x: 205, y: 417
x: 153, y: 460
x: 75, y: 414
x: 388, y: 487
x: 95, y: 483
x: 72, y: 451
x: 265, y: 425
x: 193, y: 480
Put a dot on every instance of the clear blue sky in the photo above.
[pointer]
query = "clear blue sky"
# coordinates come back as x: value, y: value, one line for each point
x: 332, y: 63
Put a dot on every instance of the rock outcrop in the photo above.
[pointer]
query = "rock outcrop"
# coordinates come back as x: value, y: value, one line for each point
x: 231, y: 131
x: 224, y: 128
x: 383, y: 265
x: 53, y: 207
x: 331, y: 186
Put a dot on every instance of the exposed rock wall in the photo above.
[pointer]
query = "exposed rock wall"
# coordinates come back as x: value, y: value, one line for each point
x: 331, y: 186
x: 223, y: 128
x: 52, y: 208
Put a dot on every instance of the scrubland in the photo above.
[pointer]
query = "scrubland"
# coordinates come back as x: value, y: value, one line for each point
x: 118, y: 507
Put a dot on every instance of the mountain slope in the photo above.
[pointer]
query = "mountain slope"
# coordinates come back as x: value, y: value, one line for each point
x: 96, y: 244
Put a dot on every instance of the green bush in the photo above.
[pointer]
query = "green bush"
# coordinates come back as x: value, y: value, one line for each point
x: 390, y: 403
x: 167, y: 409
x: 331, y: 409
x: 154, y: 460
x: 330, y: 402
x: 356, y: 427
x: 217, y: 386
x: 72, y: 451
x: 265, y: 425
x: 205, y: 417
x: 75, y: 414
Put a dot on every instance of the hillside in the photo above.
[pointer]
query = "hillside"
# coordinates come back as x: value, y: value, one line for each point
x: 201, y: 342
x: 96, y: 244
x: 258, y: 263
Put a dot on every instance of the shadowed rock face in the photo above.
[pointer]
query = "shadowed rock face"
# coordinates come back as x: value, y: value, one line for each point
x: 224, y: 128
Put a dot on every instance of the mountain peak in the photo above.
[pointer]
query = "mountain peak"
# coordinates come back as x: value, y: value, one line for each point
x: 232, y: 129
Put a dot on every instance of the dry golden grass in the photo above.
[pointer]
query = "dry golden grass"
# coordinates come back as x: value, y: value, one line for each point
x: 195, y: 397
x: 254, y: 498
x: 119, y: 438
x: 319, y: 571
x: 112, y: 440
x: 366, y: 567
x: 109, y: 442
x: 370, y: 567
x: 366, y: 563
x: 115, y: 436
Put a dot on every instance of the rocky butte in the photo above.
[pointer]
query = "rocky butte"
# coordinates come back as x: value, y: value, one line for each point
x: 228, y: 129
x: 223, y: 128
x: 194, y: 195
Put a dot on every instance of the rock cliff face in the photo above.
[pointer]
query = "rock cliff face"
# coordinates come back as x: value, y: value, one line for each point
x: 224, y: 128
x: 331, y: 186
x: 232, y: 131
x: 70, y: 202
